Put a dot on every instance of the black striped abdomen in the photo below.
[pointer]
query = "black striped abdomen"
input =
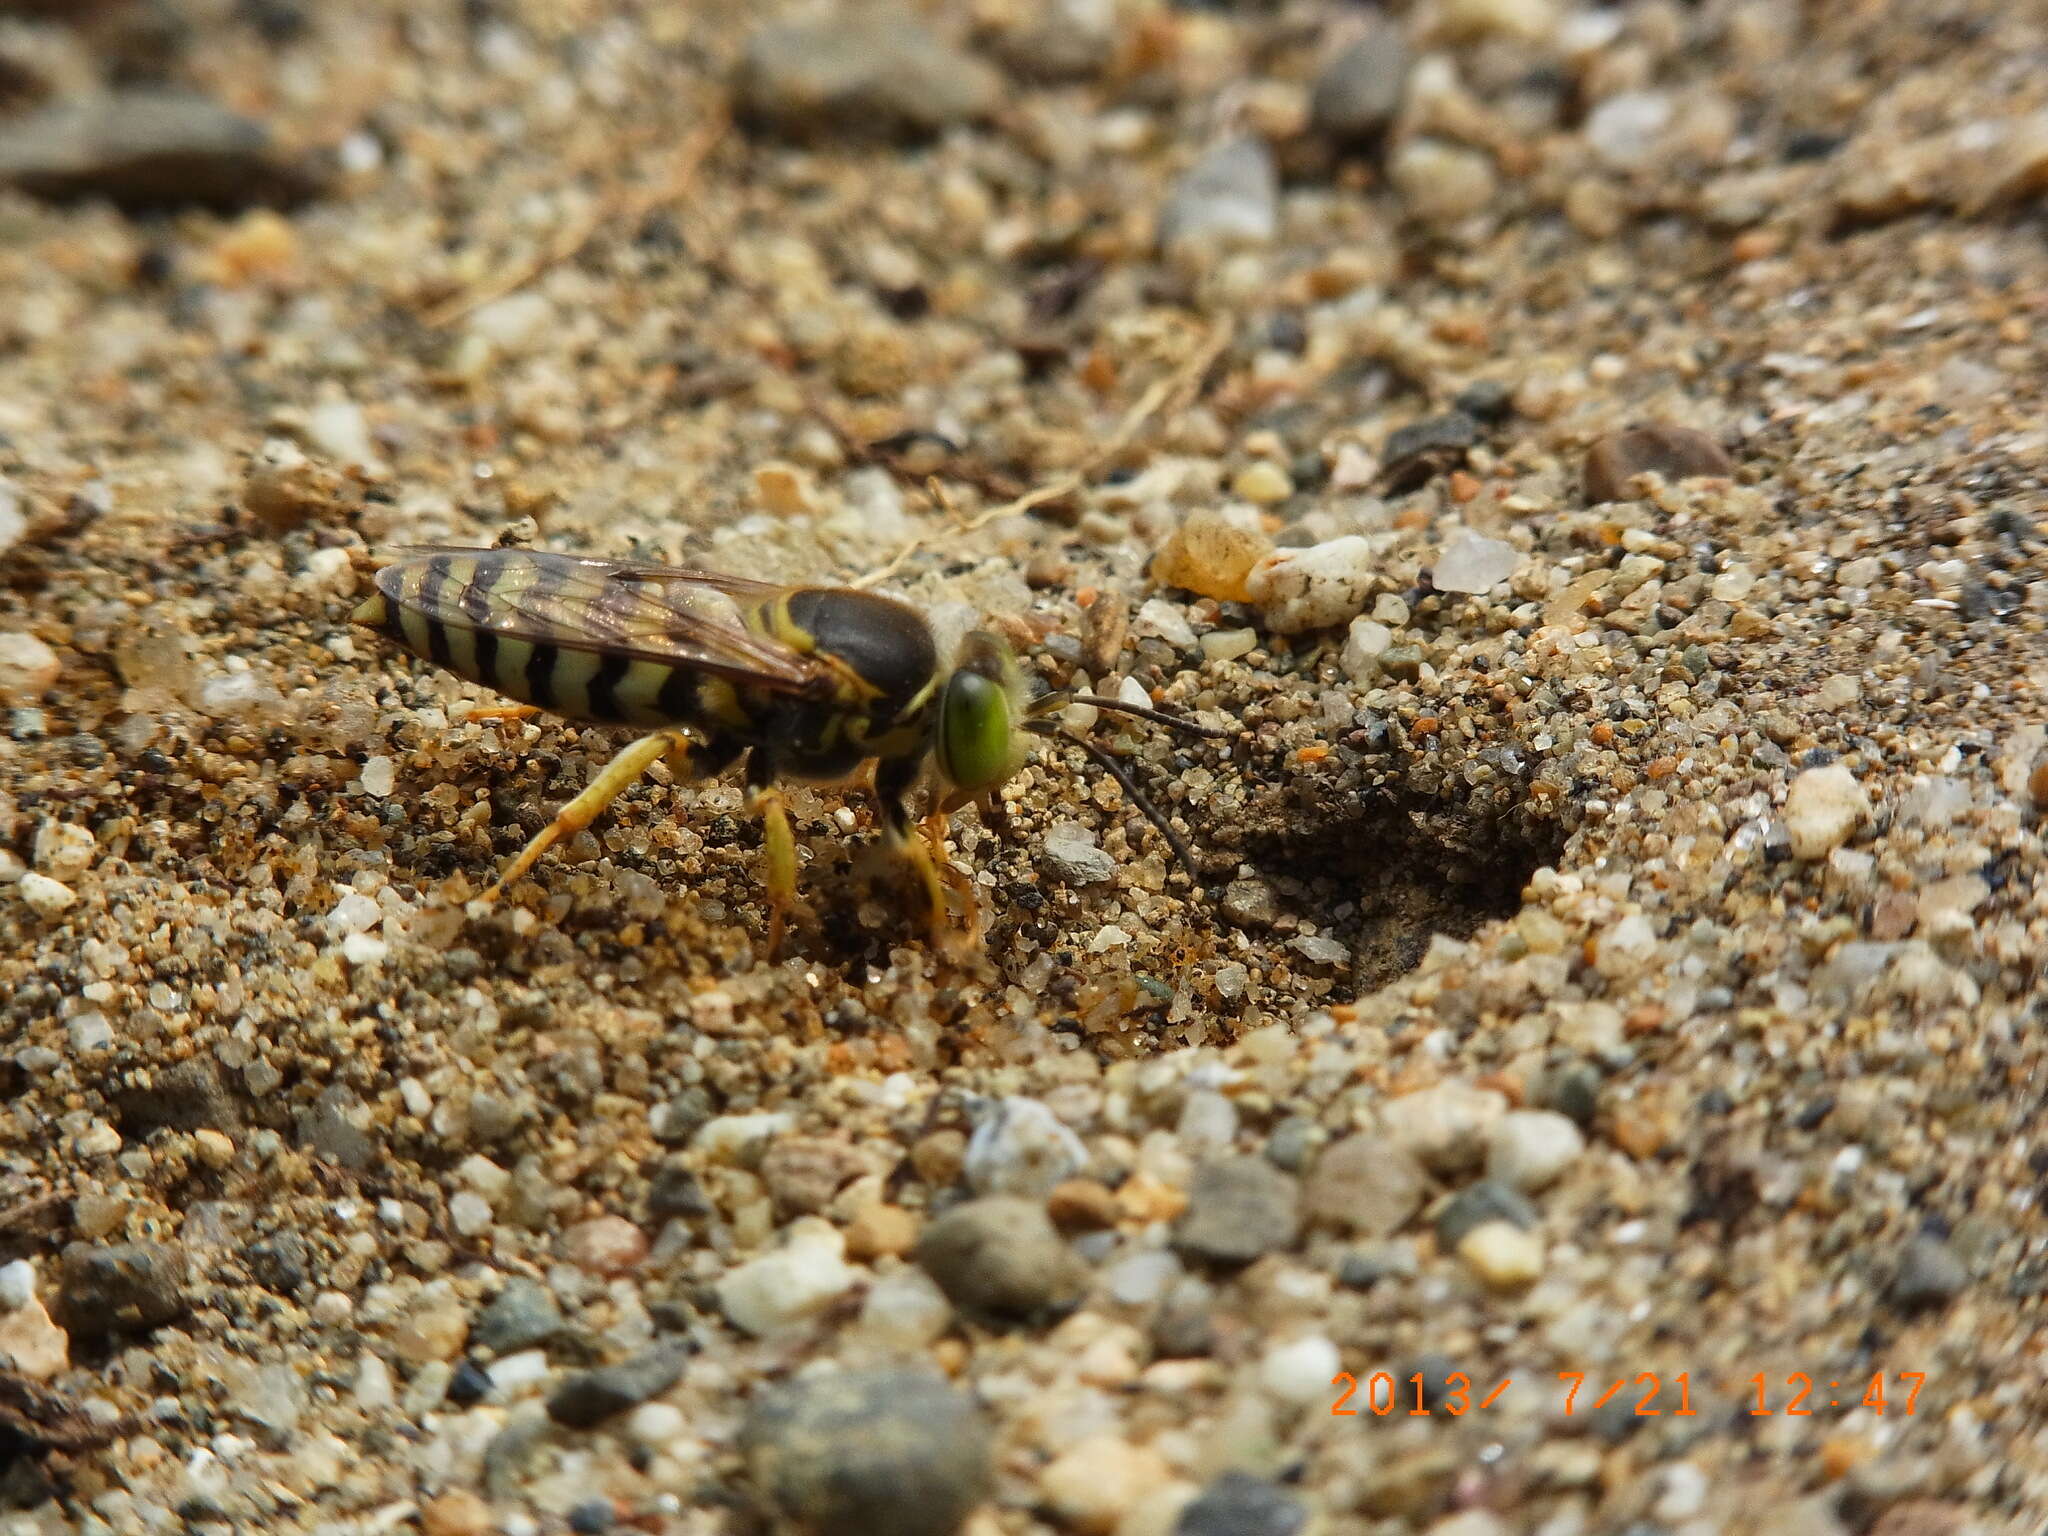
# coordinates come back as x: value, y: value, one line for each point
x: 441, y: 608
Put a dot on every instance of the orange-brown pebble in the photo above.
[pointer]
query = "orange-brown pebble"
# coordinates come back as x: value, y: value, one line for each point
x: 458, y: 1512
x: 1602, y: 735
x: 1082, y: 1205
x: 2037, y: 781
x: 1312, y: 754
x: 1144, y: 1198
x: 607, y: 1245
x: 1839, y: 1456
x: 1210, y: 556
x: 1676, y: 453
x: 1756, y: 244
x: 1637, y: 1131
x: 880, y: 1231
x: 261, y: 247
x: 1645, y: 1020
x: 1661, y: 768
x: 1463, y: 486
x: 1427, y: 725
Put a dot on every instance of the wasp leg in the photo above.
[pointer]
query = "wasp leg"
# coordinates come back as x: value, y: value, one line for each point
x: 502, y: 712
x: 926, y: 855
x: 617, y: 777
x: 778, y: 859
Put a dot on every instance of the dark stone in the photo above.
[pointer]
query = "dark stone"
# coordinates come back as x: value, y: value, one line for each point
x: 1483, y: 1202
x: 901, y: 1451
x: 150, y: 148
x: 118, y: 1287
x: 470, y: 1384
x: 332, y: 1136
x: 1239, y: 1504
x: 278, y: 1262
x: 1360, y: 90
x: 591, y: 1397
x: 675, y: 1191
x: 1239, y: 1209
x: 593, y: 1517
x: 1675, y: 453
x: 187, y: 1097
x: 1419, y: 452
x: 1001, y: 1260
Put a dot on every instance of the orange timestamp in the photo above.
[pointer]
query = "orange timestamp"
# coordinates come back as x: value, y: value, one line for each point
x: 1648, y: 1394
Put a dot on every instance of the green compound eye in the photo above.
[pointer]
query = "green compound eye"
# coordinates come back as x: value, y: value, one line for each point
x: 974, y: 732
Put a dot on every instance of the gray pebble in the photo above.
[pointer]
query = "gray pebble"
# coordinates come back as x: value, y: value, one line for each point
x: 1251, y: 903
x: 1360, y: 90
x: 520, y: 1316
x: 1231, y: 196
x: 1238, y: 1209
x: 1000, y: 1259
x: 675, y: 1122
x: 901, y: 1451
x: 118, y: 1287
x: 332, y: 1136
x: 1074, y: 858
x: 1366, y: 1186
x: 591, y: 1397
x: 1291, y: 1143
x: 1239, y: 1504
x: 1929, y: 1275
x: 149, y: 148
x: 1483, y: 1202
x: 187, y: 1097
x: 675, y: 1190
x: 865, y: 76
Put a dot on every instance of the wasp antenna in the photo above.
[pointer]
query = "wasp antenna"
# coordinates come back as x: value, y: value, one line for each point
x: 1122, y: 775
x: 1180, y: 723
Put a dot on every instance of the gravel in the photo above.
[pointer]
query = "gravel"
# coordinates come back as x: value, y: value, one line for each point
x: 1586, y: 462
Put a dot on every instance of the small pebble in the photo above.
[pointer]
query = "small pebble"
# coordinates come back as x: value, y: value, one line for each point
x: 1929, y: 1275
x: 1474, y: 565
x: 1019, y: 1147
x: 524, y: 1313
x: 1241, y: 1504
x: 1529, y: 1149
x: 1445, y: 1126
x: 1823, y: 808
x: 1313, y: 588
x: 1229, y: 197
x: 591, y: 1397
x: 44, y: 896
x: 1000, y: 1258
x: 788, y: 1285
x: 1676, y: 453
x: 605, y: 1245
x: 1364, y: 1185
x: 1093, y: 1484
x: 1298, y: 1371
x: 1503, y: 1255
x: 1071, y: 854
x: 1263, y: 484
x: 1238, y: 1209
x: 1211, y: 554
x: 888, y: 1450
x: 1360, y: 89
x: 1442, y: 183
x: 119, y: 1287
x: 28, y: 668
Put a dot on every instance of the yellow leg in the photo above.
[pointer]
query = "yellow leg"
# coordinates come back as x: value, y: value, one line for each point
x: 927, y: 855
x: 778, y: 856
x: 503, y: 712
x: 617, y: 777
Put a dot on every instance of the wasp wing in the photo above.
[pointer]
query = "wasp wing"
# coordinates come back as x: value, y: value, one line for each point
x: 666, y: 614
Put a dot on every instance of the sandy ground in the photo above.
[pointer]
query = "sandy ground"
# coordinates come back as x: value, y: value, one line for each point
x: 1615, y: 972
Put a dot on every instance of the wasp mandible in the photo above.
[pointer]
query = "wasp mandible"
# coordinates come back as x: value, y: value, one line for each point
x: 804, y: 682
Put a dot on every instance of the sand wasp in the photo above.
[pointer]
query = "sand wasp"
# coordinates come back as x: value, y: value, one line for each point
x: 804, y: 682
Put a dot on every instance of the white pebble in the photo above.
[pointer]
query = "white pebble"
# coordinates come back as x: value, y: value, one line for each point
x: 1624, y: 129
x: 64, y: 850
x: 1625, y: 947
x: 1822, y: 808
x: 1529, y: 1148
x: 1474, y: 565
x: 11, y: 867
x: 469, y: 1212
x: 45, y: 896
x: 240, y: 696
x: 1444, y: 1126
x: 17, y: 1284
x: 1442, y: 183
x: 1299, y: 1370
x: 364, y: 949
x: 789, y: 1284
x: 905, y: 1310
x: 655, y: 1425
x: 1313, y: 588
x: 1158, y: 617
x: 13, y: 525
x: 28, y: 668
x: 338, y: 429
x: 1366, y: 642
x: 1503, y: 1255
x: 1229, y: 644
x: 354, y: 913
x: 90, y: 1032
x: 1019, y: 1147
x: 379, y: 776
x: 515, y: 1373
x: 373, y: 1385
x: 516, y: 323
